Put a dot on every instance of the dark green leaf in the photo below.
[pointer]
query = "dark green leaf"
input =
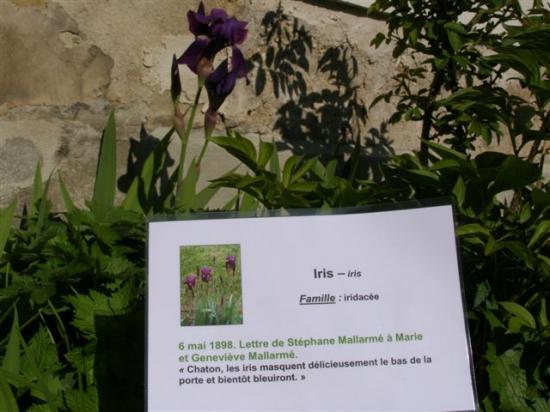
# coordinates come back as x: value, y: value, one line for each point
x: 302, y: 169
x: 454, y: 39
x: 265, y: 154
x: 456, y: 27
x: 240, y: 147
x: 472, y: 229
x: 43, y: 206
x: 230, y: 205
x: 87, y: 307
x: 448, y: 153
x: 507, y: 379
x: 7, y: 400
x: 520, y: 312
x: 36, y: 189
x: 105, y: 180
x: 543, y: 318
x: 303, y: 186
x: 204, y: 196
x: 525, y: 213
x: 288, y: 169
x: 67, y: 200
x: 541, y: 230
x: 515, y: 174
x: 274, y: 166
x: 6, y: 219
x: 82, y: 401
x: 185, y: 197
x: 519, y: 249
x: 248, y: 203
x: 541, y: 199
x: 12, y: 356
x: 459, y: 190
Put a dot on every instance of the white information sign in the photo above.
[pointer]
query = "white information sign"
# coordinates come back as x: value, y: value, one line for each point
x: 340, y: 312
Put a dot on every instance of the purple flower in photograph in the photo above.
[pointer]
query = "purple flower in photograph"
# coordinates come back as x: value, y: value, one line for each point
x: 231, y: 263
x: 190, y: 281
x: 206, y: 274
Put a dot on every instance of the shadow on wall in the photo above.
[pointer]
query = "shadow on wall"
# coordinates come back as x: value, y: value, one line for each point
x: 327, y: 121
x: 138, y: 153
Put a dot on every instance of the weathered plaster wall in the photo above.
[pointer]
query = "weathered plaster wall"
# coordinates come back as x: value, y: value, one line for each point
x: 66, y: 63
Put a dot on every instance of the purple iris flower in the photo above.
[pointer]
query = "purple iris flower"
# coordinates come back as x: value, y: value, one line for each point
x: 190, y: 281
x: 231, y: 263
x: 213, y: 33
x: 206, y: 274
x: 222, y: 80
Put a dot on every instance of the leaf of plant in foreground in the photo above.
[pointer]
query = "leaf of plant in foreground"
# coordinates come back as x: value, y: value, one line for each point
x: 12, y: 356
x: 185, y: 197
x: 520, y: 312
x: 507, y: 379
x: 7, y: 400
x: 514, y: 174
x: 82, y: 401
x: 105, y: 181
x: 6, y: 217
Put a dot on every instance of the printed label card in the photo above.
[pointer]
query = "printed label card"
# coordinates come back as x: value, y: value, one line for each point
x: 358, y: 311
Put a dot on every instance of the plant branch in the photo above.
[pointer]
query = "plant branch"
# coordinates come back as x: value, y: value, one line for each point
x: 184, y: 136
x: 427, y: 118
x: 544, y: 128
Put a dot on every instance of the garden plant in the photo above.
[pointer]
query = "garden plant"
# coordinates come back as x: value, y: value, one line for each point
x: 72, y: 282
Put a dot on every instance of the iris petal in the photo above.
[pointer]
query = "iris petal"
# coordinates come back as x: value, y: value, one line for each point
x: 194, y: 53
x: 238, y: 63
x: 218, y: 15
x: 233, y: 31
x: 198, y: 21
x: 222, y: 81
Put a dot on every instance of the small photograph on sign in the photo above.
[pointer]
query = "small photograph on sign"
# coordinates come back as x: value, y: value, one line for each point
x: 210, y: 279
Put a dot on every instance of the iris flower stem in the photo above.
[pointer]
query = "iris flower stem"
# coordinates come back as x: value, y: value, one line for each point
x: 203, y: 150
x: 185, y: 136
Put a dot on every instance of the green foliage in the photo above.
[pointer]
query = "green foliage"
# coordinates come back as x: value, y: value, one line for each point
x: 61, y: 273
x: 59, y: 279
x: 470, y: 50
x: 299, y: 183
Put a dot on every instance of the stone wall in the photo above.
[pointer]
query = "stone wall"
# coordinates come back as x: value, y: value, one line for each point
x: 67, y: 63
x: 70, y: 62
